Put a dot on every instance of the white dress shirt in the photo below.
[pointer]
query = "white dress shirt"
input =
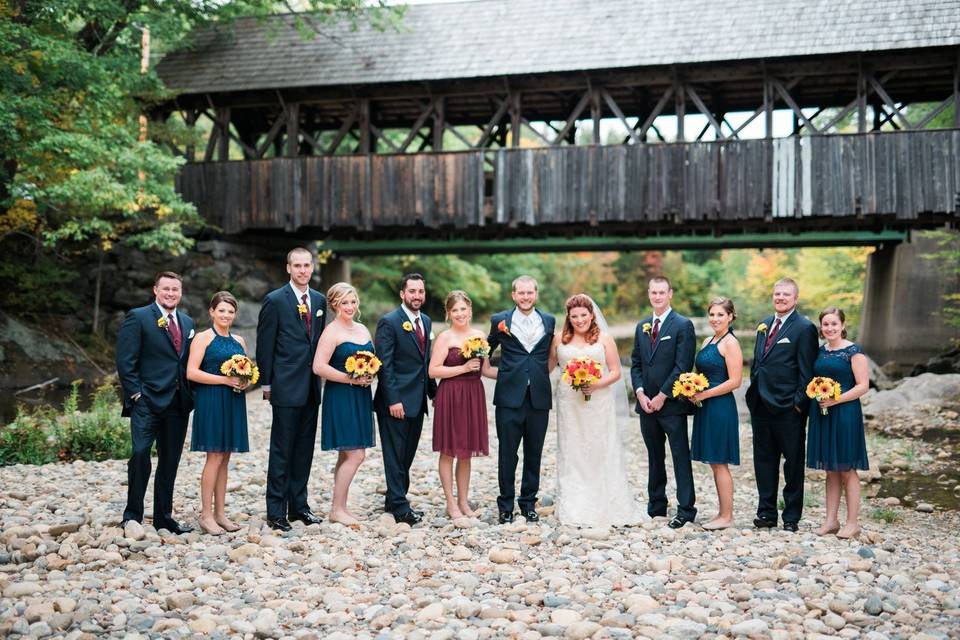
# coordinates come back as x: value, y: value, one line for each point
x: 299, y: 294
x: 528, y: 329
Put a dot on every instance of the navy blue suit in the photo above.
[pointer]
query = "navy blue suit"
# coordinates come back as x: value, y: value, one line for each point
x: 285, y: 352
x: 655, y: 367
x: 149, y: 364
x: 778, y: 405
x: 403, y: 378
x: 523, y: 400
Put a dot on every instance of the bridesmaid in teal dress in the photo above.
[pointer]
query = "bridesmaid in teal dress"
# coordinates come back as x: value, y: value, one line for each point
x: 220, y: 413
x: 346, y: 423
x: 716, y: 425
x: 836, y: 442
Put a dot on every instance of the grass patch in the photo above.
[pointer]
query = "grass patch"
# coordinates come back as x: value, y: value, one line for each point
x: 44, y: 435
x: 884, y: 514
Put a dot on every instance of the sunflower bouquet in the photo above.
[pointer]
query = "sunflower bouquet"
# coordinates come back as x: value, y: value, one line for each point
x: 475, y: 347
x: 823, y: 388
x: 240, y: 366
x: 362, y: 363
x: 581, y: 372
x: 689, y: 384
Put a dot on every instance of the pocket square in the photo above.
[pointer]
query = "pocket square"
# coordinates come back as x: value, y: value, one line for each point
x: 665, y: 338
x: 783, y: 341
x: 190, y: 337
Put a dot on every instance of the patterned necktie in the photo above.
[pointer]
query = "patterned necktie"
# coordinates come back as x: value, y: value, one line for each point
x: 656, y: 331
x: 174, y: 332
x: 771, y: 336
x: 421, y: 339
x: 306, y: 316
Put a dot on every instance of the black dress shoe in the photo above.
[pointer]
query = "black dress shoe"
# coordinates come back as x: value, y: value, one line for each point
x: 123, y: 524
x: 176, y: 528
x: 763, y: 523
x: 531, y: 515
x: 306, y: 517
x: 410, y: 517
x: 279, y: 524
x: 506, y: 517
x: 791, y: 527
x: 419, y: 513
x: 677, y: 522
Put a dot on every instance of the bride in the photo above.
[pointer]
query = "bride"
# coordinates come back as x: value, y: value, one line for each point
x: 593, y: 489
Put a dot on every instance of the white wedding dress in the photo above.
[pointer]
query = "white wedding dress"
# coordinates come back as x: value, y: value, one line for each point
x: 592, y: 485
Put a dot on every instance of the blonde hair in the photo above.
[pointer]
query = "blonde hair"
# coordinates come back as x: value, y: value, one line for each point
x: 338, y: 292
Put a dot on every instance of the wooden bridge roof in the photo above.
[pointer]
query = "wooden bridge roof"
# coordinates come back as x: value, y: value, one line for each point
x: 497, y: 38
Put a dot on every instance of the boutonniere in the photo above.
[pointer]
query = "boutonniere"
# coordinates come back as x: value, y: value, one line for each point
x: 503, y: 327
x: 302, y: 310
x: 407, y: 326
x: 646, y: 327
x: 319, y: 313
x: 762, y: 327
x: 162, y: 322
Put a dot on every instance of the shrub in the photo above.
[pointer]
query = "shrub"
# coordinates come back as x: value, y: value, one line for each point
x: 28, y: 439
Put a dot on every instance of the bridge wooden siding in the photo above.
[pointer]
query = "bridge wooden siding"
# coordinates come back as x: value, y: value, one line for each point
x: 747, y: 182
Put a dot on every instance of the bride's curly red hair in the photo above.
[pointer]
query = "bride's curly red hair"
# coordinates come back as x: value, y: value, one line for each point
x: 593, y: 333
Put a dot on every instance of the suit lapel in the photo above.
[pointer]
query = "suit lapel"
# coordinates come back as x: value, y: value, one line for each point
x: 781, y: 333
x: 403, y: 317
x: 314, y: 320
x: 663, y: 329
x: 157, y: 314
x: 184, y: 333
x: 294, y: 303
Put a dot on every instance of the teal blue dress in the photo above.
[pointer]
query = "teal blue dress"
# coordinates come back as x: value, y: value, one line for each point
x: 836, y: 441
x: 716, y: 425
x: 219, y: 413
x: 346, y: 420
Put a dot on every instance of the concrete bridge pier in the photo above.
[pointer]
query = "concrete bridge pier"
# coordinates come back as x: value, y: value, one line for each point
x: 903, y: 302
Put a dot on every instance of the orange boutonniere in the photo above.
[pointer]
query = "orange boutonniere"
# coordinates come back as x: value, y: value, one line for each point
x: 503, y: 327
x: 407, y: 326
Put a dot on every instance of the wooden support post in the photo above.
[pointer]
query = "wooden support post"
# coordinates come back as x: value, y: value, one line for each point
x: 293, y: 129
x: 956, y: 91
x: 191, y: 120
x: 861, y: 99
x: 680, y: 108
x: 438, y: 124
x: 767, y: 106
x: 516, y: 119
x: 595, y: 114
x: 366, y: 138
x: 223, y: 140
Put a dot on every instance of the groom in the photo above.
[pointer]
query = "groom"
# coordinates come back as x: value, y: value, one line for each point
x: 664, y: 348
x: 522, y: 395
x: 782, y: 366
x: 152, y: 348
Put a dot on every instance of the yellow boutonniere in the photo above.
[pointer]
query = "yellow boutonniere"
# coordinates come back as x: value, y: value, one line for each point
x: 407, y: 326
x: 162, y: 322
x: 646, y: 327
x: 302, y: 310
x: 762, y: 327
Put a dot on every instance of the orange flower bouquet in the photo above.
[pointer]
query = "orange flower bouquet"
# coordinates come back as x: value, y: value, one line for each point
x: 823, y: 388
x: 581, y: 372
x: 240, y: 366
x: 689, y: 384
x: 362, y: 363
x: 475, y: 347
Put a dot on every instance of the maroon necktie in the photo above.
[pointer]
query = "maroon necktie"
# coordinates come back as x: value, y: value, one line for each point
x: 421, y: 339
x: 771, y: 336
x: 174, y: 332
x: 655, y: 332
x: 306, y: 316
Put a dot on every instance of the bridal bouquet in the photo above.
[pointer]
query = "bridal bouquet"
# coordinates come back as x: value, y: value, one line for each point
x: 475, y: 347
x: 240, y: 366
x: 362, y: 363
x: 581, y: 372
x: 822, y: 388
x: 689, y: 384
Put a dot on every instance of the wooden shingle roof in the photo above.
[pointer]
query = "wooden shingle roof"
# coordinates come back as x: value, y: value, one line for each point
x: 487, y: 38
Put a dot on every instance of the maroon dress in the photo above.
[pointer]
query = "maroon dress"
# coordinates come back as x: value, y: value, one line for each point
x: 460, y: 413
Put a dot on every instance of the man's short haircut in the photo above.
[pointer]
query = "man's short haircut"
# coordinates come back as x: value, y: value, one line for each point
x: 411, y: 276
x: 298, y: 250
x: 660, y: 279
x: 789, y: 281
x: 167, y: 274
x: 522, y: 279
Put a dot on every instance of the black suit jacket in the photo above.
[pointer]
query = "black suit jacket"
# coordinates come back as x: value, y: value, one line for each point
x: 284, y: 349
x: 403, y: 376
x: 148, y: 363
x: 656, y: 367
x: 779, y: 378
x: 518, y: 367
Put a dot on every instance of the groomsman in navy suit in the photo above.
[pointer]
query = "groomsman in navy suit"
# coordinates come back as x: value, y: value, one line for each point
x: 152, y: 348
x: 522, y: 396
x: 402, y: 343
x: 663, y: 348
x: 291, y: 321
x: 783, y: 358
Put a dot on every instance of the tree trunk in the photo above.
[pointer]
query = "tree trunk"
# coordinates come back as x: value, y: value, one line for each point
x: 96, y: 294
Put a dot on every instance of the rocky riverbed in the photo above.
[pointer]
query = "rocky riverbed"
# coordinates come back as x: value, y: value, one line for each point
x: 68, y: 570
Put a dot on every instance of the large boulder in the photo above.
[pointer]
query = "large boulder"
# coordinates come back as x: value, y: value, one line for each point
x: 926, y: 389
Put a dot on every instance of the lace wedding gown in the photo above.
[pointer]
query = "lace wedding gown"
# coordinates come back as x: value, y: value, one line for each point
x: 592, y: 485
